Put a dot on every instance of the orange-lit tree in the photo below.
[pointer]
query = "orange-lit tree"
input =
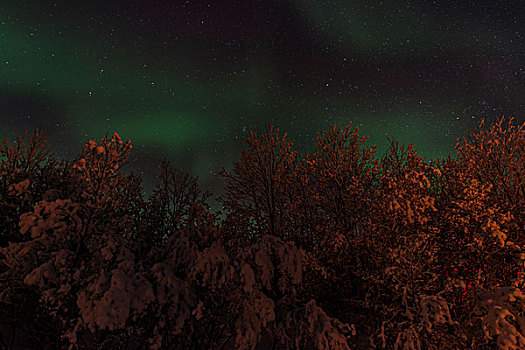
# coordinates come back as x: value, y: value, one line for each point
x: 337, y: 187
x: 256, y: 191
x: 331, y: 250
x: 100, y: 268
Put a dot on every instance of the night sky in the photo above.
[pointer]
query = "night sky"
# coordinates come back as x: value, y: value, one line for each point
x: 183, y: 79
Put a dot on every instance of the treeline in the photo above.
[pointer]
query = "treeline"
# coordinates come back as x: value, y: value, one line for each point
x: 333, y: 249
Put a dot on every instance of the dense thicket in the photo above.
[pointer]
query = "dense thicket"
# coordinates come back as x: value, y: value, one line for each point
x: 333, y: 249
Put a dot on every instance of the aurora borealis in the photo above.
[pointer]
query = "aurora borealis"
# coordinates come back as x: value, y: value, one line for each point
x: 182, y: 79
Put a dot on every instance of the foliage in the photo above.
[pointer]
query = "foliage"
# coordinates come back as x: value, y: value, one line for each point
x: 333, y: 249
